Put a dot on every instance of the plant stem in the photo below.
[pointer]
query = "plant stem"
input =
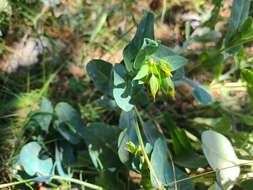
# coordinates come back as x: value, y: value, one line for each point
x: 15, y: 183
x: 140, y: 140
x: 241, y: 163
x: 79, y: 182
x: 72, y: 180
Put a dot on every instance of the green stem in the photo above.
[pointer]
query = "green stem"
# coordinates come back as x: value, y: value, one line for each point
x: 140, y: 140
x: 15, y: 183
x: 72, y: 180
x: 79, y: 182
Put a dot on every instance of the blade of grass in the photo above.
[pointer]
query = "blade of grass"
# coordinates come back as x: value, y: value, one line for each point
x: 164, y: 10
x: 99, y: 26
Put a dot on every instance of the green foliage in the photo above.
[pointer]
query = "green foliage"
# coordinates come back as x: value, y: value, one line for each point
x: 64, y: 121
x: 167, y: 142
x: 240, y: 25
x: 164, y: 168
x: 69, y: 117
x: 247, y: 76
x: 143, y: 72
x: 148, y: 48
x: 100, y: 72
x: 29, y: 159
x: 99, y: 136
x: 149, y: 62
x: 199, y: 92
x: 145, y: 60
x: 144, y: 30
x: 240, y: 11
x: 201, y: 95
x: 122, y: 91
x: 45, y: 117
x: 247, y: 184
x: 68, y: 136
x: 155, y: 64
x: 127, y: 122
x: 184, y: 152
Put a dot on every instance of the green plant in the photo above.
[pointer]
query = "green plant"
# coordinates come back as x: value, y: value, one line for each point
x: 63, y: 145
x: 147, y: 62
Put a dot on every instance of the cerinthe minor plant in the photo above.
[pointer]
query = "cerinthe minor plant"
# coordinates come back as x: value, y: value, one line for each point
x: 146, y: 62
